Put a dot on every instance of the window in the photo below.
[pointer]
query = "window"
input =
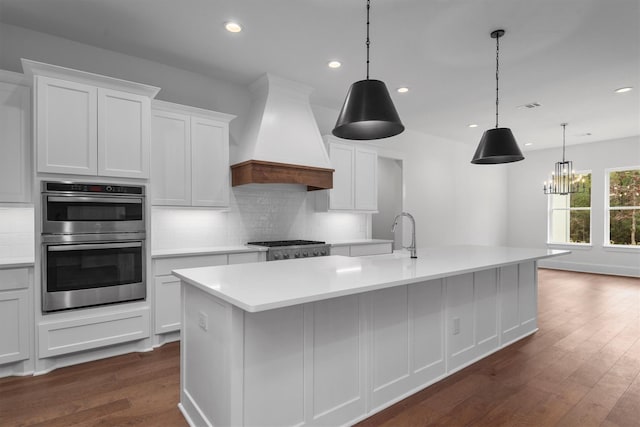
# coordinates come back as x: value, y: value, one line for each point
x: 622, y: 214
x: 570, y: 216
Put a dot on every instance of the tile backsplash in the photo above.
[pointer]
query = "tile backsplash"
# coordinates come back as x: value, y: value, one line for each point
x: 256, y: 212
x: 16, y: 232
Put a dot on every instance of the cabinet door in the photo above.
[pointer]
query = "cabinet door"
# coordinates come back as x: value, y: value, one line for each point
x: 66, y: 126
x: 168, y: 313
x: 341, y: 196
x: 366, y: 180
x: 209, y: 163
x: 170, y: 159
x: 123, y: 134
x: 15, y: 170
x: 14, y: 324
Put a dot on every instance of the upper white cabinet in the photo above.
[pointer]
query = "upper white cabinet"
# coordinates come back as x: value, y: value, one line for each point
x: 355, y: 180
x: 15, y: 138
x: 189, y: 156
x: 123, y: 134
x: 88, y: 124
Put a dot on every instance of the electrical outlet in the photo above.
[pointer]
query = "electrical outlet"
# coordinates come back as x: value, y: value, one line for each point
x: 456, y: 325
x: 203, y: 321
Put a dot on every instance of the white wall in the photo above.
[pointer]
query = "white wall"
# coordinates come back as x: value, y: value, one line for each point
x: 453, y: 201
x: 527, y: 207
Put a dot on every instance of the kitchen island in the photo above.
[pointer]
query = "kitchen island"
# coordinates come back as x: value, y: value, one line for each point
x: 333, y: 340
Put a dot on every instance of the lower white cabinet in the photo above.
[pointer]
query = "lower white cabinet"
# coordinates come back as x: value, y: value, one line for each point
x: 15, y: 315
x: 167, y: 286
x: 363, y: 249
x: 69, y: 335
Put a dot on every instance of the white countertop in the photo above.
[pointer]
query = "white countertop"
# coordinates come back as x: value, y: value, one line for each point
x: 265, y: 286
x: 212, y: 250
x: 354, y: 242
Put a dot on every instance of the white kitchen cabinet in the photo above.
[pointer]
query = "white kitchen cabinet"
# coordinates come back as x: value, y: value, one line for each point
x: 123, y: 134
x: 66, y: 126
x: 15, y: 315
x: 189, y: 156
x: 170, y: 158
x: 88, y: 124
x: 355, y: 179
x: 373, y: 248
x: 15, y: 137
x: 167, y: 287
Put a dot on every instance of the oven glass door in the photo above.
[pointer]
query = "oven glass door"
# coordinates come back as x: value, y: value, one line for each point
x: 79, y: 275
x: 81, y: 214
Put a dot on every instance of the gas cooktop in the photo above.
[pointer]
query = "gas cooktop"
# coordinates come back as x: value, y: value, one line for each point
x: 290, y: 249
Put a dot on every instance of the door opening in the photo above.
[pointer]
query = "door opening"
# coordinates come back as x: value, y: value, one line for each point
x: 389, y: 201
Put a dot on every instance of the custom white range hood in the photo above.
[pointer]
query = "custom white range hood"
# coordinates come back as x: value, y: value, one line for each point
x: 281, y: 143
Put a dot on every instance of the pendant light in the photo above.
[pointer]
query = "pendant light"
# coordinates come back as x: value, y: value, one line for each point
x: 497, y: 145
x: 368, y: 112
x: 564, y: 180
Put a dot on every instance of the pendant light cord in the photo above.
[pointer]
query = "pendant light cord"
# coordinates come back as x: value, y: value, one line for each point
x: 497, y: 72
x: 368, y: 41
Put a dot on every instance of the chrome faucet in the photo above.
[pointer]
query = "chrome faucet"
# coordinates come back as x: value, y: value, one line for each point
x: 412, y: 248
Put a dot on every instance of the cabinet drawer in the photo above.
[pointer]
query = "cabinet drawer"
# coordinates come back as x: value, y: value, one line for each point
x: 340, y: 250
x: 243, y: 258
x: 165, y: 265
x: 68, y: 336
x: 373, y: 249
x: 14, y: 278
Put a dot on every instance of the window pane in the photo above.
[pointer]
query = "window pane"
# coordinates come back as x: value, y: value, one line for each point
x: 624, y: 227
x: 559, y: 201
x: 580, y: 227
x: 582, y: 200
x: 624, y: 188
x: 559, y: 226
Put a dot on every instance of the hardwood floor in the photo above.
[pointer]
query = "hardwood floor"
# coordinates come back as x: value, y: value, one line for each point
x: 582, y: 368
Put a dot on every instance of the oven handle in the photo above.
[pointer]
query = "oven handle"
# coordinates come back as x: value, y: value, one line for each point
x: 94, y: 199
x: 62, y: 248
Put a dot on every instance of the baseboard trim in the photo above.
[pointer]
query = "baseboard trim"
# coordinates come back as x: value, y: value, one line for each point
x: 615, y: 270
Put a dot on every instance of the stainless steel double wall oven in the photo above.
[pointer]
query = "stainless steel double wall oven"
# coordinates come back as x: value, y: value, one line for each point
x: 93, y: 244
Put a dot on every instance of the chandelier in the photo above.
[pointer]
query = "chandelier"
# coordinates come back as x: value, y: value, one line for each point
x: 563, y: 179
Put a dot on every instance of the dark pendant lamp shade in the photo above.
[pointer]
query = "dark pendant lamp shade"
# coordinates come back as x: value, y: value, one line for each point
x: 368, y: 113
x: 497, y: 146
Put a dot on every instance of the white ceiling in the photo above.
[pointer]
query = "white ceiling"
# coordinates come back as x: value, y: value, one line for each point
x: 568, y: 55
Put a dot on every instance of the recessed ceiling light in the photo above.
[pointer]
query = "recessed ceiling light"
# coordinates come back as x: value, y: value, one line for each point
x: 473, y: 125
x: 334, y: 64
x: 624, y: 89
x: 529, y: 105
x: 232, y: 27
x: 528, y: 144
x: 403, y: 89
